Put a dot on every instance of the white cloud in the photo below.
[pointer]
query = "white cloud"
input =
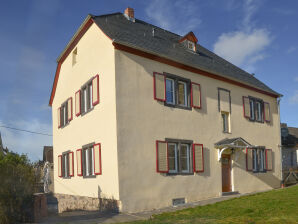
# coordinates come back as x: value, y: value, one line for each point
x: 176, y: 16
x: 294, y: 99
x: 240, y: 47
x: 291, y: 49
x: 27, y: 143
x: 245, y: 46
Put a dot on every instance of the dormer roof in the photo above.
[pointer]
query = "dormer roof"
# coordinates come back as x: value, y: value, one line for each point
x: 189, y: 36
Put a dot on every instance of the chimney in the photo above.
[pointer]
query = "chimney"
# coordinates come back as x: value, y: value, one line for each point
x: 129, y: 14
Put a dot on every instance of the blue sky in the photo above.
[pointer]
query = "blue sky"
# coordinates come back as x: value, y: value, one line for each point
x: 259, y: 36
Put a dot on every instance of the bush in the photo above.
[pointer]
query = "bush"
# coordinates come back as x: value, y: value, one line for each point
x: 17, y: 187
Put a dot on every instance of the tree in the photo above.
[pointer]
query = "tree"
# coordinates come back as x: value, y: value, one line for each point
x: 17, y: 186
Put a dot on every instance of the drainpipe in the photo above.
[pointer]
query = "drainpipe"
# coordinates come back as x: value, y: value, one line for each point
x: 279, y: 145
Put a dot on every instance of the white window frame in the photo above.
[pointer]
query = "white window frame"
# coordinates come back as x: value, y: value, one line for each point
x: 185, y: 94
x: 187, y: 157
x: 190, y: 45
x: 259, y: 160
x: 173, y: 88
x: 252, y: 109
x: 176, y: 157
x: 88, y: 161
x: 225, y: 121
x: 259, y: 111
x: 65, y: 166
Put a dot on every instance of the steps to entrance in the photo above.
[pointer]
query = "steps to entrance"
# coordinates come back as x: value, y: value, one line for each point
x: 229, y: 193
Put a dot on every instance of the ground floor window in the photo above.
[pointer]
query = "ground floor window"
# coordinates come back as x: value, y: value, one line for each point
x: 65, y: 165
x: 179, y: 157
x: 259, y: 160
x: 88, y: 160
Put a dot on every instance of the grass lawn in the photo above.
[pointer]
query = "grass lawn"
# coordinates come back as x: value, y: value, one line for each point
x: 276, y: 206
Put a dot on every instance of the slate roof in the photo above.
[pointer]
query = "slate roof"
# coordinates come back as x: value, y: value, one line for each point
x: 292, y: 138
x: 229, y: 141
x: 166, y: 44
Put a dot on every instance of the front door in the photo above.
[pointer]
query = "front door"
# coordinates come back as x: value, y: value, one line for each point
x: 226, y: 173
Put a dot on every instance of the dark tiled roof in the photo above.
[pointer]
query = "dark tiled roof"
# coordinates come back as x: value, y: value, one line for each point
x: 166, y: 44
x: 228, y: 141
x: 291, y: 139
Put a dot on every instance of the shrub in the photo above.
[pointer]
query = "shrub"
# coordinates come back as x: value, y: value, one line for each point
x: 17, y: 187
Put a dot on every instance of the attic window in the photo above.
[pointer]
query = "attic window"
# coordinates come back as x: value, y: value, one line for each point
x: 74, y: 56
x: 191, y: 45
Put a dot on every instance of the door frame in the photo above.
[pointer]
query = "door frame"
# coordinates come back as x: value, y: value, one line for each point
x: 231, y: 187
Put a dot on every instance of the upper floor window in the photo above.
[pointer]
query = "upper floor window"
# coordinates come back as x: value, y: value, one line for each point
x: 256, y: 109
x: 64, y: 120
x: 74, y: 56
x: 177, y: 92
x: 65, y: 113
x: 65, y: 165
x: 86, y: 97
x: 225, y: 121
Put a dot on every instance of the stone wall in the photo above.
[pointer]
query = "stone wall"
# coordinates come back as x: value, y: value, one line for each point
x: 73, y: 202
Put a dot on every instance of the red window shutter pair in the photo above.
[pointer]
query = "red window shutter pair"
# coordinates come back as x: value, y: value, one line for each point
x: 162, y: 159
x: 159, y: 90
x: 249, y: 159
x: 247, y: 111
x: 97, y: 160
x: 71, y: 164
x: 95, y: 95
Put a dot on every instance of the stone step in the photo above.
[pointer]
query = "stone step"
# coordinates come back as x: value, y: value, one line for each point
x: 229, y: 193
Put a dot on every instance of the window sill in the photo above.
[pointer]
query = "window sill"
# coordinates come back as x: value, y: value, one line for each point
x: 227, y: 132
x: 180, y: 174
x: 177, y: 106
x: 91, y: 176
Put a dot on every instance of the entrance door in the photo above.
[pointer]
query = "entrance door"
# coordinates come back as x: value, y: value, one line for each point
x: 226, y: 173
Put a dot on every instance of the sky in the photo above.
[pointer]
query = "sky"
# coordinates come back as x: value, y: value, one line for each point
x: 259, y: 36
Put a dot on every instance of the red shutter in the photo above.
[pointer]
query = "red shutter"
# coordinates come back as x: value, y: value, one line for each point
x: 249, y: 159
x: 71, y: 168
x: 79, y: 162
x: 246, y: 107
x: 198, y: 157
x: 60, y: 166
x: 97, y: 159
x: 269, y: 159
x: 162, y: 160
x: 95, y: 90
x: 78, y: 102
x: 159, y: 86
x: 69, y: 109
x: 267, y: 112
x: 59, y: 117
x: 195, y: 95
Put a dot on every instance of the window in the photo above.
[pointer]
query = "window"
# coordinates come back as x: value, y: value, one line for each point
x: 64, y: 114
x: 191, y: 45
x: 86, y: 98
x: 225, y: 122
x: 177, y: 92
x: 88, y: 160
x: 170, y: 91
x: 259, y: 160
x: 256, y: 109
x: 74, y: 56
x: 65, y: 165
x: 179, y: 157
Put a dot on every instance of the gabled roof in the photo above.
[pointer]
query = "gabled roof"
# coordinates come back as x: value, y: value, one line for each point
x: 165, y: 45
x: 232, y: 141
x: 190, y: 36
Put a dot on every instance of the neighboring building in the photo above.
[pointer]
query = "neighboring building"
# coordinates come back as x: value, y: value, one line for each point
x: 48, y: 154
x: 289, y: 139
x: 144, y: 118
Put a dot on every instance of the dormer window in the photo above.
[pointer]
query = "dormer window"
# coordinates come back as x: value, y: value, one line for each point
x: 191, y: 45
x: 190, y: 41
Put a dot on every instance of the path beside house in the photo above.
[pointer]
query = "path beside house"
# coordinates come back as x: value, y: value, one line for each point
x: 97, y: 217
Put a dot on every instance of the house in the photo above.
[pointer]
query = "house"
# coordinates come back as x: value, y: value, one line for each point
x: 289, y: 139
x: 144, y: 118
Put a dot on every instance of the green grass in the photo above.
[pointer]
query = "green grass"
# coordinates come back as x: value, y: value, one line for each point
x: 276, y: 206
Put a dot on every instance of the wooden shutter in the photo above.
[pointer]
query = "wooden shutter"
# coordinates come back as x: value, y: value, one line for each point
x: 70, y: 164
x: 249, y: 159
x: 69, y: 109
x: 79, y: 162
x: 269, y: 160
x: 162, y: 161
x: 198, y: 158
x: 59, y: 117
x: 224, y: 100
x: 60, y: 166
x: 95, y: 90
x: 97, y: 159
x: 246, y: 107
x: 267, y: 112
x: 195, y: 95
x: 159, y: 85
x: 78, y: 102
